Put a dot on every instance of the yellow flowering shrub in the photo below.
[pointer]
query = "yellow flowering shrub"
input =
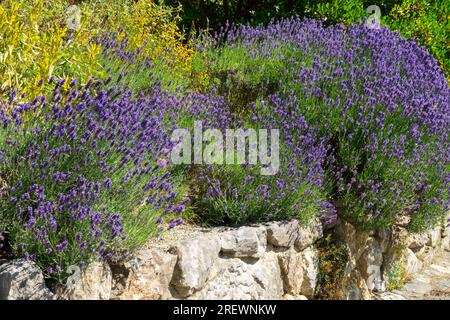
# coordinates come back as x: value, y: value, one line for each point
x: 147, y: 25
x: 36, y: 43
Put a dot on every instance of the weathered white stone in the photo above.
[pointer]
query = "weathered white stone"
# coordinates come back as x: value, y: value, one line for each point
x: 244, y: 242
x: 310, y: 271
x: 149, y: 276
x: 445, y: 240
x: 434, y: 237
x: 283, y: 234
x: 355, y: 287
x: 370, y: 263
x: 233, y: 282
x: 416, y: 241
x: 309, y: 234
x: 403, y: 221
x: 380, y: 286
x: 425, y: 255
x: 238, y: 280
x: 399, y: 236
x: 413, y: 264
x: 93, y: 283
x: 384, y: 238
x: 445, y: 243
x: 196, y: 257
x: 355, y: 240
x: 291, y: 265
x: 267, y: 273
x: 22, y: 280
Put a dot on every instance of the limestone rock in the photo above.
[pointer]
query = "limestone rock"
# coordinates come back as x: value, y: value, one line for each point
x: 23, y: 280
x: 403, y: 221
x: 267, y: 273
x: 93, y: 283
x: 196, y: 257
x: 244, y: 242
x: 291, y: 265
x: 380, y: 285
x: 283, y: 234
x: 434, y: 237
x: 310, y: 271
x: 425, y: 255
x: 445, y: 240
x: 370, y: 263
x: 384, y: 237
x: 413, y: 264
x: 399, y: 237
x: 233, y: 282
x: 433, y: 283
x: 445, y: 243
x: 416, y: 241
x: 238, y: 280
x: 149, y: 276
x: 356, y: 240
x: 354, y: 287
x: 309, y: 234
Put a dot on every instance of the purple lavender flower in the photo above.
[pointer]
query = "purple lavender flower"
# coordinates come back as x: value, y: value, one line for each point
x: 62, y: 246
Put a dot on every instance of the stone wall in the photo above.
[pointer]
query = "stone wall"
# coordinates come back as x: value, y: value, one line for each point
x: 276, y: 260
x: 387, y: 258
x: 267, y: 261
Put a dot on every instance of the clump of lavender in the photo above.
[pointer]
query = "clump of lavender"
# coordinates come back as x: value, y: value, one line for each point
x: 238, y: 194
x: 87, y: 172
x: 380, y: 102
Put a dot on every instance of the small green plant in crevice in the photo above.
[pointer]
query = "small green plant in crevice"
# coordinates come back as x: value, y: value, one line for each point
x: 333, y: 258
x: 396, y: 275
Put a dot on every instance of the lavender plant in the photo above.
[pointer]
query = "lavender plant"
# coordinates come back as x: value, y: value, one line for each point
x: 135, y: 67
x: 92, y: 178
x: 239, y: 194
x: 379, y: 101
